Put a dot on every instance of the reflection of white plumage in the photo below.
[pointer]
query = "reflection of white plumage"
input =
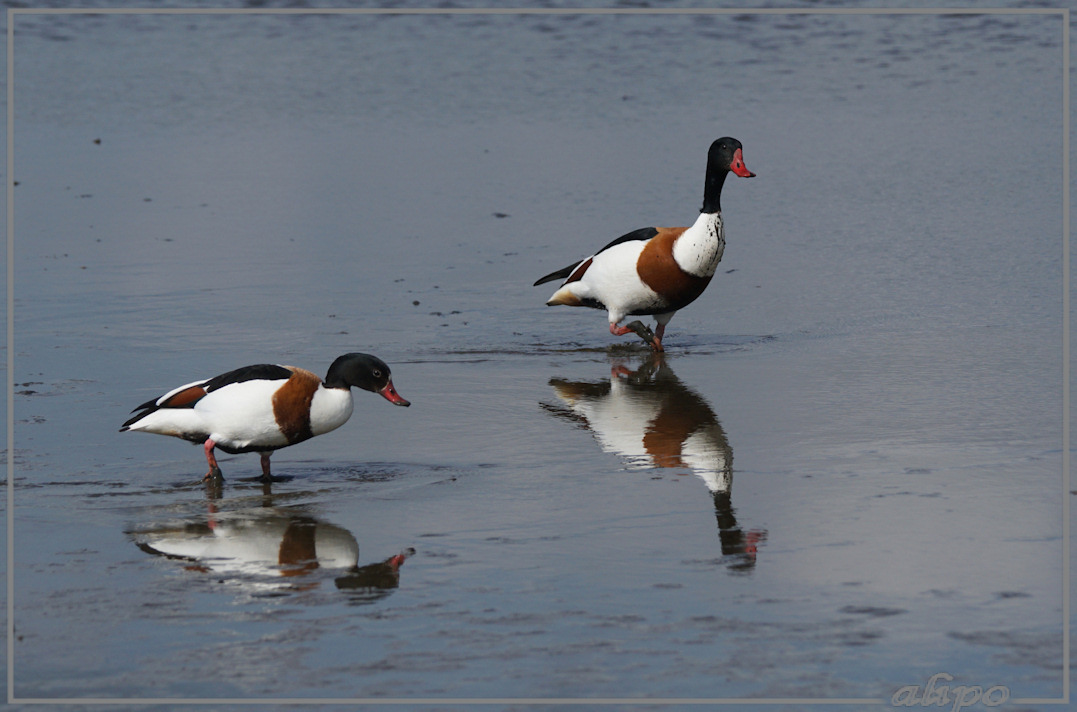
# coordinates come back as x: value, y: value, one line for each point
x: 270, y: 549
x: 264, y: 542
x: 651, y: 420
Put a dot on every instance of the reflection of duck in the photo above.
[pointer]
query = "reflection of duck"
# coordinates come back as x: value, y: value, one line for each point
x: 270, y: 550
x: 651, y: 419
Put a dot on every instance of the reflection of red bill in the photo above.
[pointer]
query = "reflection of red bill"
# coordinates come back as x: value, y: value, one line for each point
x: 395, y: 562
x: 389, y: 393
x: 738, y: 167
x: 754, y: 538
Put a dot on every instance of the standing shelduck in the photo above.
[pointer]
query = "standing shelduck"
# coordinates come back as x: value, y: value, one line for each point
x: 264, y: 407
x: 655, y: 270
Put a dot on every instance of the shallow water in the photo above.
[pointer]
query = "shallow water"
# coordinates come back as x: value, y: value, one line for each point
x: 843, y: 478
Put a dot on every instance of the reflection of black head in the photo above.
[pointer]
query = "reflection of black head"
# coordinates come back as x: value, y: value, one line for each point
x: 374, y: 581
x: 741, y: 546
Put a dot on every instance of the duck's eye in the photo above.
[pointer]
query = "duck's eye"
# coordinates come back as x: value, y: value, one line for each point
x: 377, y: 373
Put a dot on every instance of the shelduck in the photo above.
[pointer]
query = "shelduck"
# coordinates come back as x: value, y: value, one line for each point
x: 264, y: 407
x: 655, y: 270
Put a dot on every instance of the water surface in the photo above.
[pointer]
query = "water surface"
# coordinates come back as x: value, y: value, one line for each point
x: 843, y: 477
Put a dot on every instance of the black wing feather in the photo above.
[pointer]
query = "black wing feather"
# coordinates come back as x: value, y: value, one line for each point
x: 559, y: 274
x: 260, y: 371
x: 644, y: 233
x: 265, y: 371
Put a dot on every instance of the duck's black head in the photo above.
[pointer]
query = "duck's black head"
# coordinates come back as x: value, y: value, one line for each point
x: 725, y: 155
x: 364, y: 371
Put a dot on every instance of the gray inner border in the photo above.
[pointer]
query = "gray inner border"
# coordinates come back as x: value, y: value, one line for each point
x: 13, y: 13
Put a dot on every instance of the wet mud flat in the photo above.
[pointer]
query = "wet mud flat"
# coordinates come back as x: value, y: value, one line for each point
x: 842, y: 478
x: 605, y: 520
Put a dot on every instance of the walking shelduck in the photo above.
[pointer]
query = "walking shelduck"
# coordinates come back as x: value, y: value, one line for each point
x: 264, y: 407
x: 655, y: 270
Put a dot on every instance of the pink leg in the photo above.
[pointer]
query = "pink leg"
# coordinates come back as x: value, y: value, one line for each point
x: 214, y: 469
x: 265, y: 465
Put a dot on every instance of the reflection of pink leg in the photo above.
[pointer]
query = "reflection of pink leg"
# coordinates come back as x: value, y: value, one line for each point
x: 265, y: 465
x: 214, y: 469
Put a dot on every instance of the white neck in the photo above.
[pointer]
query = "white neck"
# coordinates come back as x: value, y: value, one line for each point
x: 699, y: 249
x: 330, y: 408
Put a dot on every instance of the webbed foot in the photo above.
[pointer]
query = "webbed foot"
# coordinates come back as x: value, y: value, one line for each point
x: 645, y: 333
